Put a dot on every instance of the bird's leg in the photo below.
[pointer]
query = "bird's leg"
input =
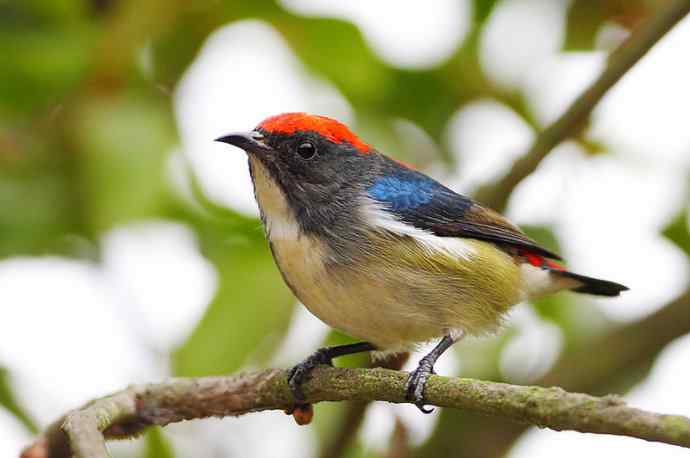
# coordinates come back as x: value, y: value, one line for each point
x: 299, y: 373
x: 417, y: 379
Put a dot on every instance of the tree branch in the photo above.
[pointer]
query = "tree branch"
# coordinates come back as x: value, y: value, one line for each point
x: 569, y: 123
x: 622, y: 356
x: 192, y: 398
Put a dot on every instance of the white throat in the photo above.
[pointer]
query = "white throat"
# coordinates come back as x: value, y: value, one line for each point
x: 278, y: 216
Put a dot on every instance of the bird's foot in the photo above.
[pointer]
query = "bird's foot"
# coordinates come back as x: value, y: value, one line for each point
x: 414, y: 389
x: 299, y: 373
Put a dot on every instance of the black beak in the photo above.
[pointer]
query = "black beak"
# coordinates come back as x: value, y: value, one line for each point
x: 251, y: 142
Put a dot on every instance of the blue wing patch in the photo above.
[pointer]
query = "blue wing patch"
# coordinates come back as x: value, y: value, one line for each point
x: 417, y: 199
x: 400, y: 193
x: 424, y: 203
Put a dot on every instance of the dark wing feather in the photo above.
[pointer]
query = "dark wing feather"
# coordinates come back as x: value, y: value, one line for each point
x: 493, y: 234
x: 423, y: 202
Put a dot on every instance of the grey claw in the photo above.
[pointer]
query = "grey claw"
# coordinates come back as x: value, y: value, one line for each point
x: 415, y: 386
x: 299, y: 373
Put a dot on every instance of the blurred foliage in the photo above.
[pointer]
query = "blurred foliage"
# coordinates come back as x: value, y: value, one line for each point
x: 8, y: 401
x: 87, y: 131
x: 678, y: 231
x: 157, y: 446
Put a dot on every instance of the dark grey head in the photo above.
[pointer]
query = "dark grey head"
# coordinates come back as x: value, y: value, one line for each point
x: 319, y: 166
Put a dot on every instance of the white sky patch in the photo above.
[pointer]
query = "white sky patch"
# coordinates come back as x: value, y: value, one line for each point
x: 416, y: 142
x: 243, y: 74
x: 380, y: 419
x: 13, y: 436
x: 609, y: 228
x: 66, y: 339
x: 401, y: 32
x: 539, y: 198
x: 664, y: 391
x: 610, y: 36
x: 519, y: 34
x: 646, y: 114
x: 486, y: 137
x: 262, y: 434
x: 143, y: 261
x: 533, y: 350
x: 305, y: 335
x: 557, y: 80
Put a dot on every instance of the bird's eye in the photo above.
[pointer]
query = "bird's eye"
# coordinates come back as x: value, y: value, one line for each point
x: 306, y: 150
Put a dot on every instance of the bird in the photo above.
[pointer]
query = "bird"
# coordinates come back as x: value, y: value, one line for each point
x: 384, y: 253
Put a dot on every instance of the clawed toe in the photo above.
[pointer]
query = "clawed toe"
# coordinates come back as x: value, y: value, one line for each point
x: 416, y: 383
x: 299, y: 373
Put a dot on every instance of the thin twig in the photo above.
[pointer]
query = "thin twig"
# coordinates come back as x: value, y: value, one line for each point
x: 193, y: 398
x: 573, y: 119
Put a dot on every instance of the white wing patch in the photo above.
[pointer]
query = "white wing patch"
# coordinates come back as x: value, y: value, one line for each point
x: 379, y: 218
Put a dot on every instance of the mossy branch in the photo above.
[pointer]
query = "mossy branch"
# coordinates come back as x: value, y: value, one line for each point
x: 83, y: 431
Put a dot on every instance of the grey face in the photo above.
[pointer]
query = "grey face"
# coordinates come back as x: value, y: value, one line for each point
x: 309, y: 161
x: 321, y: 180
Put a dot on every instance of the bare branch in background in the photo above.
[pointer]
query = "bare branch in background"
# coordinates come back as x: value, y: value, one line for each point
x: 573, y: 119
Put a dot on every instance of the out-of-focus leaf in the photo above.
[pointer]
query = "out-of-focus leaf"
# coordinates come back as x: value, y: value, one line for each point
x: 251, y: 310
x: 579, y: 318
x: 356, y: 360
x: 678, y: 232
x: 45, y: 52
x: 8, y: 401
x: 157, y: 446
x: 482, y: 10
x: 44, y: 12
x: 585, y: 18
x: 124, y: 141
x: 40, y: 211
x: 591, y: 147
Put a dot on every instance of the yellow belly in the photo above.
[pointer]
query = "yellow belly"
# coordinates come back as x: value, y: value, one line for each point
x: 402, y: 293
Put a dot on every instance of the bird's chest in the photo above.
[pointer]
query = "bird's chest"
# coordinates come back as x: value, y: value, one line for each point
x: 301, y: 262
x: 300, y: 258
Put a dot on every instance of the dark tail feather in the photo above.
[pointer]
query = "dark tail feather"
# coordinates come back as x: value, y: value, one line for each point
x: 593, y: 285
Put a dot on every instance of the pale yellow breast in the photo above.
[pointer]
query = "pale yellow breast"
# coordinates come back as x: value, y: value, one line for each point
x: 401, y: 292
x: 404, y: 296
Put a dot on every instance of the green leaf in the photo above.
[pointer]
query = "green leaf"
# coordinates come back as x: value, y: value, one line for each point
x: 125, y: 142
x: 356, y: 360
x: 8, y: 401
x: 157, y: 446
x: 483, y: 9
x: 37, y: 200
x: 251, y: 310
x: 584, y: 20
x: 45, y: 53
x: 678, y: 231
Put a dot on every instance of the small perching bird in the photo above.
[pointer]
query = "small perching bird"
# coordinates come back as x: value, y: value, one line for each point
x: 385, y: 253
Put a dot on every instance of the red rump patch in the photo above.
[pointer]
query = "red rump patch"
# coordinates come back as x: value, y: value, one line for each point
x: 540, y: 261
x: 289, y: 123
